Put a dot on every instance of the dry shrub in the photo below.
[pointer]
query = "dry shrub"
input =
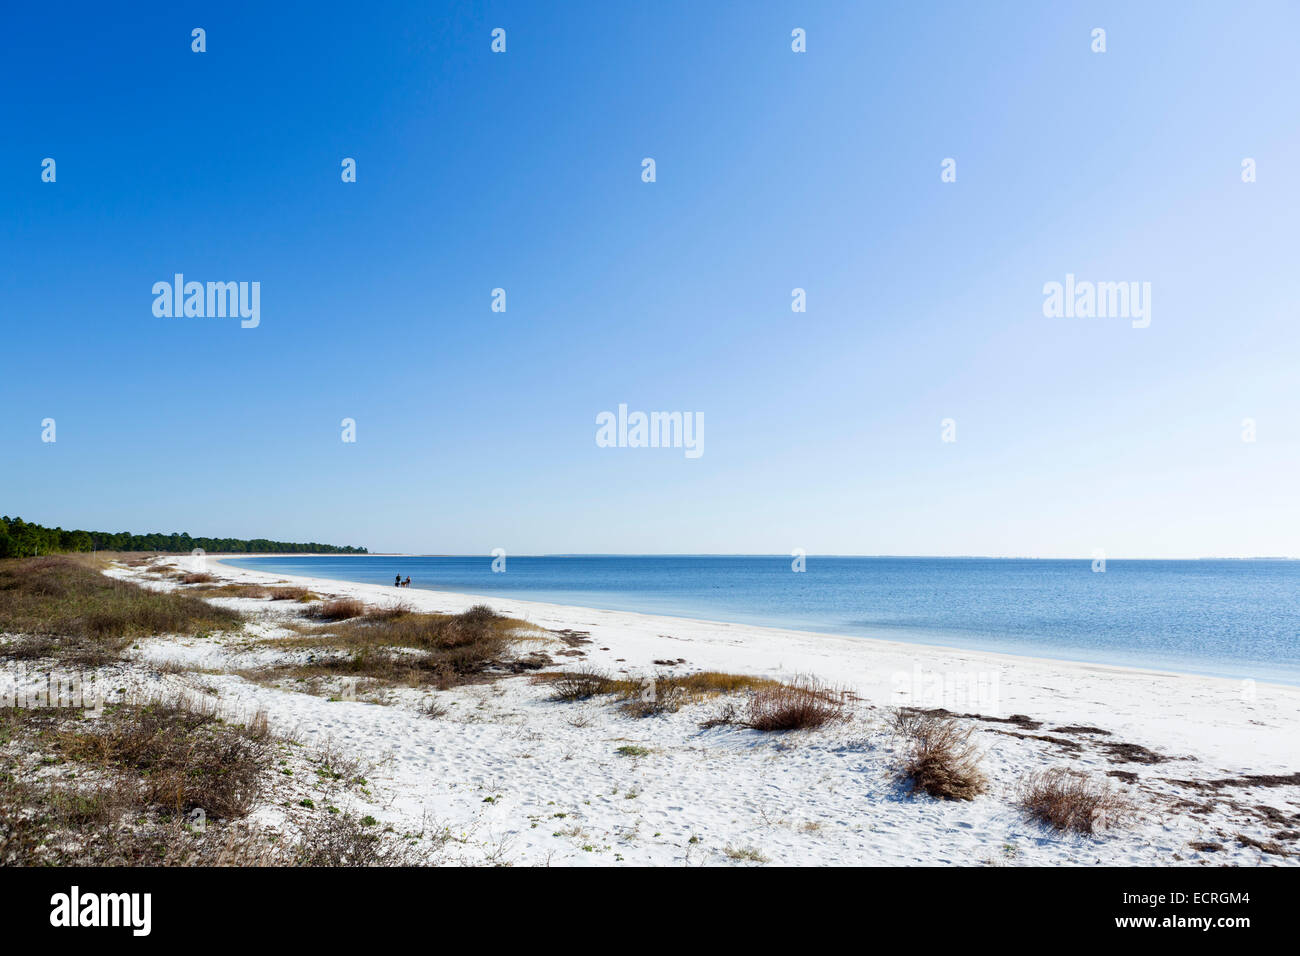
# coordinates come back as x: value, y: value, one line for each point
x: 389, y: 612
x: 666, y: 693
x: 654, y: 698
x: 581, y: 684
x: 941, y: 758
x: 339, y: 609
x: 1072, y: 800
x: 394, y: 646
x: 290, y: 594
x: 343, y: 840
x: 198, y: 577
x: 123, y: 785
x: 644, y: 697
x: 180, y: 756
x: 803, y: 704
x: 64, y: 608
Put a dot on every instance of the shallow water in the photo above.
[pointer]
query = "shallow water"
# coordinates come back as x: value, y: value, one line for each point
x: 1227, y: 618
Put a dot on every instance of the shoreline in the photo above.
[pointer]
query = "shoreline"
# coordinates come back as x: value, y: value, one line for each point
x: 459, y: 597
x: 1220, y: 719
x: 502, y: 769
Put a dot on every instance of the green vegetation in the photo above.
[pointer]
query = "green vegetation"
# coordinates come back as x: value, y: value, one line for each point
x: 21, y: 539
x: 62, y: 607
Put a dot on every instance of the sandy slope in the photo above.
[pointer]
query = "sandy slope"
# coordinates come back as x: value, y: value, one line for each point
x: 521, y: 779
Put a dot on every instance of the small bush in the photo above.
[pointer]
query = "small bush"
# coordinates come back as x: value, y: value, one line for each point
x: 343, y: 840
x: 803, y: 704
x: 581, y: 684
x: 338, y: 610
x: 1072, y: 800
x: 389, y: 613
x: 941, y: 759
x: 198, y: 577
x: 290, y: 594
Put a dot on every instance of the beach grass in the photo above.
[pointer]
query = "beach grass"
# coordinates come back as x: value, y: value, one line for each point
x: 397, y: 646
x: 125, y: 788
x: 802, y: 704
x: 121, y: 789
x: 62, y: 607
x: 940, y: 758
x: 1072, y: 800
x: 656, y: 694
x: 772, y: 705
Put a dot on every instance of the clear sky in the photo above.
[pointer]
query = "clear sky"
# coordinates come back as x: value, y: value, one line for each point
x: 774, y: 170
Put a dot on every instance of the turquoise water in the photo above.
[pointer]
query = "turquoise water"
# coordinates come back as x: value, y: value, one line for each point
x: 1227, y: 618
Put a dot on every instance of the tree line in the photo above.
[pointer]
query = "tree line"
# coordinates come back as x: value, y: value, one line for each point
x: 23, y: 539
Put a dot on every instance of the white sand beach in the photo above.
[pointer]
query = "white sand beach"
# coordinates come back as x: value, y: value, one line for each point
x: 522, y: 779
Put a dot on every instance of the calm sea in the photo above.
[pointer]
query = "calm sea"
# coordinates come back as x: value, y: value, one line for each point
x: 1228, y: 618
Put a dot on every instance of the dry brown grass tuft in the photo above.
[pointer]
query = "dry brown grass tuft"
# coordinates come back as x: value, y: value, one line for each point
x: 395, y: 646
x: 345, y: 840
x: 121, y: 789
x: 580, y: 684
x: 644, y: 697
x: 62, y: 607
x: 197, y: 577
x: 184, y: 757
x: 802, y: 704
x: 290, y: 594
x: 941, y: 759
x: 254, y: 591
x: 1072, y: 800
x: 340, y: 609
x: 389, y: 612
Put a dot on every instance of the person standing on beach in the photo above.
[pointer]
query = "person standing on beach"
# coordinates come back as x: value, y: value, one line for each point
x: 397, y: 581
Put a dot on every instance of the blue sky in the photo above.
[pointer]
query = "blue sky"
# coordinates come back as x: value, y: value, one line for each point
x: 775, y: 170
